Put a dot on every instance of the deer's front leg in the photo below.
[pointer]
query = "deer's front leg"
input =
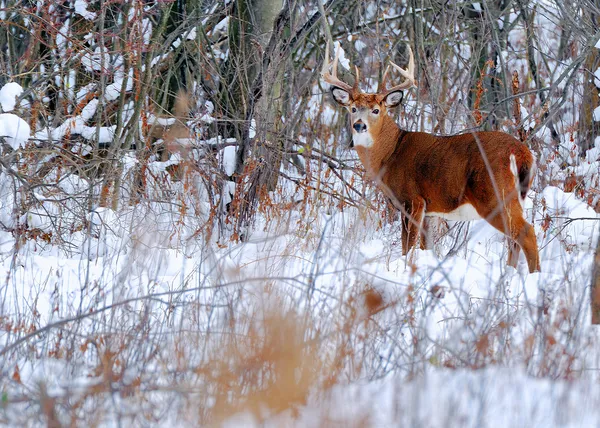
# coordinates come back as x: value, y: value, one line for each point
x: 426, y: 230
x: 412, y: 220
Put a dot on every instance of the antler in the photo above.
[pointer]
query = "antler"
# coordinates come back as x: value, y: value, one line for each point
x: 409, y: 75
x: 331, y: 77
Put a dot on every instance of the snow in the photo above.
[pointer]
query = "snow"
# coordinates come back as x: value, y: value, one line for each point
x: 597, y: 77
x: 76, y: 125
x: 14, y: 129
x: 8, y: 96
x: 135, y: 249
x: 526, y: 119
x: 162, y: 121
x: 62, y: 36
x: 89, y: 110
x: 343, y: 61
x: 102, y: 216
x: 207, y: 118
x: 114, y: 89
x: 229, y: 160
x: 597, y: 114
x: 359, y: 45
x: 191, y: 35
x: 81, y: 8
x: 158, y: 59
x: 593, y: 154
x: 495, y: 397
x: 158, y: 167
x: 93, y: 61
x: 598, y: 44
x: 222, y: 25
x: 147, y: 30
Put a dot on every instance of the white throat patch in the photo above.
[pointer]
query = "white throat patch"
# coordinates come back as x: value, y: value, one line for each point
x: 362, y: 139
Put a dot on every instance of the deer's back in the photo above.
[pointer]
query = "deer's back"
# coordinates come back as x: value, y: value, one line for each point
x: 448, y: 171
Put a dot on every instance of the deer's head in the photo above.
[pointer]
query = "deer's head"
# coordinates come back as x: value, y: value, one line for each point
x: 367, y: 111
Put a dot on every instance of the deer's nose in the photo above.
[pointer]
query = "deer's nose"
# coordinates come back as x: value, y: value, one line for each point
x: 360, y: 127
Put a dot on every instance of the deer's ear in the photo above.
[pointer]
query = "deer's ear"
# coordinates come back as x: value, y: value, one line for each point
x: 393, y: 99
x: 340, y: 96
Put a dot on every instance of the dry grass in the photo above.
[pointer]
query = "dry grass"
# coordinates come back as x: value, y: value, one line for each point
x: 274, y: 359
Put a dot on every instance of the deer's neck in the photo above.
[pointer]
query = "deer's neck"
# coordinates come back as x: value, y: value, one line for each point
x: 384, y: 143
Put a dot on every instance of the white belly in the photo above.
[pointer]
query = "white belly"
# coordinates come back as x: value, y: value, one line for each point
x: 465, y: 212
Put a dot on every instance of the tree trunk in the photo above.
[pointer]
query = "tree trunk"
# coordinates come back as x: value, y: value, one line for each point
x: 595, y: 288
x: 589, y: 129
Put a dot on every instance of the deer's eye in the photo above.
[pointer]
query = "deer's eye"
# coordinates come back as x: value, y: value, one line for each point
x: 353, y: 109
x: 376, y: 111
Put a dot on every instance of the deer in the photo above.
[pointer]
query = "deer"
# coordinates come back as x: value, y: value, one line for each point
x: 463, y: 177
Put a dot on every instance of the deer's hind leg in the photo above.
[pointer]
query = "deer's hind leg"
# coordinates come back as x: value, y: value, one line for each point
x: 412, y: 222
x: 513, y: 252
x: 511, y: 222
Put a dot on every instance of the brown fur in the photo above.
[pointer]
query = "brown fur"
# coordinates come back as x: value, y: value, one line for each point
x: 423, y: 173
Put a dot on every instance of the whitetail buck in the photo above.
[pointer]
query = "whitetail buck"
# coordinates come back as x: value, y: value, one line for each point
x: 461, y: 177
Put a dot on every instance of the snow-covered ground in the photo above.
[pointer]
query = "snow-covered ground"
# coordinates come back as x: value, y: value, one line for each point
x: 157, y: 314
x: 492, y: 397
x: 491, y: 346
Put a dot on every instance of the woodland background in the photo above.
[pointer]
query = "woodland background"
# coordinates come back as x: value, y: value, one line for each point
x: 186, y: 238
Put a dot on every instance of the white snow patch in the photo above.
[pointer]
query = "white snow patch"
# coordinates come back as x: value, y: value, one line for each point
x: 593, y: 154
x: 159, y: 167
x: 93, y: 61
x: 62, y: 36
x: 207, y: 118
x: 15, y: 130
x: 192, y: 34
x: 493, y: 397
x: 158, y: 59
x: 223, y: 25
x: 147, y: 30
x: 372, y: 249
x: 114, y: 89
x: 89, y: 110
x: 229, y: 160
x: 129, y: 161
x: 81, y: 8
x: 359, y: 45
x: 345, y: 62
x: 8, y: 96
x: 578, y: 219
x: 597, y: 77
x: 526, y: 119
x: 77, y: 125
x: 162, y: 121
x: 228, y: 191
x: 597, y: 114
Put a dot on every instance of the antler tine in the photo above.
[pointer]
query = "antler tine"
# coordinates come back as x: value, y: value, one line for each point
x: 408, y: 74
x: 383, y: 81
x: 331, y: 77
x: 357, y: 81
